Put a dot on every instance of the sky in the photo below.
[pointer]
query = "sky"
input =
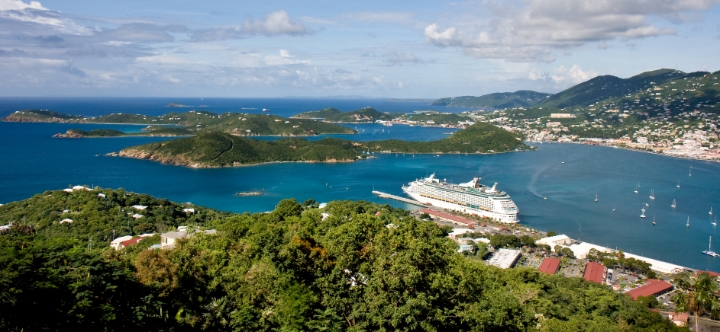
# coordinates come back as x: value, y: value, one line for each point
x: 385, y: 49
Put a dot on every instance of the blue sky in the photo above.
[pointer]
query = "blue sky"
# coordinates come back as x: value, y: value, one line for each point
x: 418, y: 49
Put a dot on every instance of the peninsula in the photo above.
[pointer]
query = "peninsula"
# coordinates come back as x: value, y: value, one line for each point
x: 238, y: 124
x: 334, y: 115
x: 216, y: 149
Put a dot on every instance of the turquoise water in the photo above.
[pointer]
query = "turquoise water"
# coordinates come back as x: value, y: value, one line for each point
x: 32, y: 162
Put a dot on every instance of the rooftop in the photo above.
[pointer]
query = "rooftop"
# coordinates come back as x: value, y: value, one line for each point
x: 594, y: 272
x: 651, y: 288
x: 549, y: 265
x: 504, y: 258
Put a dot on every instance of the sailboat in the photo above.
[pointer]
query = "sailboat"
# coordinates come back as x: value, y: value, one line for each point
x: 674, y: 205
x: 652, y: 193
x: 596, y: 198
x: 636, y: 187
x: 642, y: 215
x: 690, y: 173
x: 678, y: 185
x: 710, y: 211
x: 688, y: 222
x: 653, y: 219
x: 710, y: 252
x: 613, y: 207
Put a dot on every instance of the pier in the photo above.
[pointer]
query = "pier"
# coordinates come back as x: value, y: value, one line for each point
x: 397, y: 198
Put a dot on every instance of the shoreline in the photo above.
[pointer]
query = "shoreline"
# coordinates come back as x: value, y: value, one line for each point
x: 628, y: 149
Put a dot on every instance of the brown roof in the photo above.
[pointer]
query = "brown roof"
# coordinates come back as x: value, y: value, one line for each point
x: 651, y: 288
x: 450, y: 217
x: 594, y: 272
x: 549, y: 265
x: 130, y: 242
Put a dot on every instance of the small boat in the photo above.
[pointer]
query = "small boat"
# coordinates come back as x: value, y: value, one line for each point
x: 613, y: 208
x: 653, y: 219
x: 545, y: 198
x: 642, y: 215
x: 690, y: 173
x: 652, y: 193
x: 687, y: 224
x: 710, y: 211
x: 596, y: 199
x: 678, y: 185
x: 563, y: 162
x: 674, y: 205
x: 636, y: 187
x: 646, y: 204
x: 710, y: 252
x: 266, y: 110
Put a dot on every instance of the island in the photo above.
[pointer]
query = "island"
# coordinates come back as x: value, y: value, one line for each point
x: 152, y: 131
x: 499, y: 100
x: 334, y: 115
x: 193, y: 122
x: 217, y: 149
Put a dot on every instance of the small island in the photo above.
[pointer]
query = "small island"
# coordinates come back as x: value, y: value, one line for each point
x: 215, y: 149
x: 195, y: 122
x: 175, y: 104
x: 334, y: 115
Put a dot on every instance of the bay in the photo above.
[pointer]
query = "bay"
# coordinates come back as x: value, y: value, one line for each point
x: 32, y: 162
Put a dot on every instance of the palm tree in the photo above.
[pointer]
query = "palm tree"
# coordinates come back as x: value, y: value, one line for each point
x: 700, y: 296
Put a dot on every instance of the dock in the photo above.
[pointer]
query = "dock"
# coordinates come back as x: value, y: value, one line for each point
x: 397, y: 198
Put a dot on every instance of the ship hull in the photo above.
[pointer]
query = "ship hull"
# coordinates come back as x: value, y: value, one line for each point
x: 508, y: 218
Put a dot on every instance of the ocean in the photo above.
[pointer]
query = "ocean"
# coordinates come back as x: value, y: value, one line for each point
x: 33, y: 162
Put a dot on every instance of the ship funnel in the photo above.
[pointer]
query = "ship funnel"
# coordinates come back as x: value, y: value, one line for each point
x: 493, y: 189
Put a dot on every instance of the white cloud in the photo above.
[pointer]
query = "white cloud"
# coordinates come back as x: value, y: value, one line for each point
x: 47, y: 19
x: 274, y: 24
x: 20, y: 5
x: 533, y: 32
x: 398, y: 58
x: 283, y: 59
x: 563, y: 77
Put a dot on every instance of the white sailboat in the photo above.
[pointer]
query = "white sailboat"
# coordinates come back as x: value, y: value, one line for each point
x: 687, y: 224
x: 652, y: 193
x: 710, y: 252
x: 710, y: 211
x: 674, y: 205
x: 636, y: 187
x: 596, y: 199
x: 690, y: 173
x: 642, y: 215
x: 678, y: 185
x: 613, y: 207
x: 653, y: 219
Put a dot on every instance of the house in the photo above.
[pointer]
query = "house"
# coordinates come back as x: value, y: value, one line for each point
x: 139, y: 207
x: 115, y: 244
x: 127, y: 240
x: 553, y: 241
x: 101, y: 195
x: 504, y: 258
x: 466, y: 247
x: 66, y: 221
x: 549, y: 265
x: 168, y: 240
x: 189, y: 210
x: 679, y: 318
x: 594, y: 272
x: 653, y: 287
x: 137, y: 216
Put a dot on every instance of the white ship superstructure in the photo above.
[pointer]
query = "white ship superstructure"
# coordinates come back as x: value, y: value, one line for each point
x: 471, y: 198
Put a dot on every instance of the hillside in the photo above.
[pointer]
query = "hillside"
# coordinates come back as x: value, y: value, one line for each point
x: 522, y: 98
x: 219, y: 149
x: 215, y: 149
x: 362, y: 266
x: 478, y: 138
x: 363, y: 115
x: 607, y: 87
x: 240, y: 124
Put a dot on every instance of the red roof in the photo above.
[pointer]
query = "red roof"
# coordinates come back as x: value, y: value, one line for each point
x: 549, y: 265
x: 462, y: 220
x: 651, y: 288
x: 680, y: 317
x: 712, y: 273
x: 594, y: 272
x: 130, y: 242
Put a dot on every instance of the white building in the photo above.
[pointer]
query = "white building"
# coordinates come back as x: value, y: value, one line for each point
x: 504, y: 258
x: 552, y: 241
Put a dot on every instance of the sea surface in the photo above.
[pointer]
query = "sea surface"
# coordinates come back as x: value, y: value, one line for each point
x: 32, y: 162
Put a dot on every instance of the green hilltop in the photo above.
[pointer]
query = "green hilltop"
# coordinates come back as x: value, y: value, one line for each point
x: 522, y: 98
x: 363, y: 115
x: 348, y: 266
x: 240, y: 124
x: 215, y: 149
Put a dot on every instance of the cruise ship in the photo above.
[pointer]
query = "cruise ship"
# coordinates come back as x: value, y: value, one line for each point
x: 471, y: 198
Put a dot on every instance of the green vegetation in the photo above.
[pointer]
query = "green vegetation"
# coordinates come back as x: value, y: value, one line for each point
x: 697, y: 295
x: 288, y: 270
x: 219, y: 149
x: 363, y: 115
x: 200, y: 121
x: 522, y: 98
x: 436, y: 119
x: 40, y: 116
x: 478, y: 138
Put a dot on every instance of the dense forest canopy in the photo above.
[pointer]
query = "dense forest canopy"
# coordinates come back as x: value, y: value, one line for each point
x: 349, y: 266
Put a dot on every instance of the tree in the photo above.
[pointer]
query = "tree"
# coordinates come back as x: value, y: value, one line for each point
x: 551, y: 233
